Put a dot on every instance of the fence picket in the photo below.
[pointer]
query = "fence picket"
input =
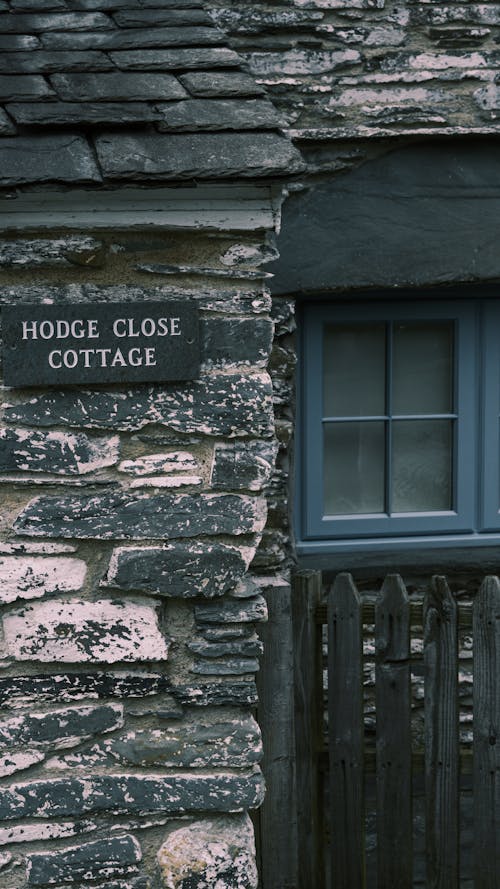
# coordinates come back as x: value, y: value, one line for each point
x: 393, y: 705
x: 486, y: 701
x: 346, y: 736
x: 308, y: 695
x: 441, y: 736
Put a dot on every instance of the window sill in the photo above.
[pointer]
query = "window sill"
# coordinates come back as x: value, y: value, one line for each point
x: 445, y: 553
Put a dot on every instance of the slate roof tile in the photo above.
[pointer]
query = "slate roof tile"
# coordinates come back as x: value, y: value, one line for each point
x: 97, y: 91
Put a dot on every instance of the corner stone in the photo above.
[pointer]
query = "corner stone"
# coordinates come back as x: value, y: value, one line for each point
x: 212, y: 852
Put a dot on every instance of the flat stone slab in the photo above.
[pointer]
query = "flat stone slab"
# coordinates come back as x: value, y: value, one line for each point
x: 177, y: 59
x: 184, y: 570
x: 103, y: 631
x: 132, y: 794
x: 72, y: 114
x: 219, y: 114
x: 16, y: 691
x: 116, y: 86
x: 60, y: 728
x: 60, y: 453
x: 122, y: 516
x: 198, y: 155
x: 31, y: 577
x: 102, y: 858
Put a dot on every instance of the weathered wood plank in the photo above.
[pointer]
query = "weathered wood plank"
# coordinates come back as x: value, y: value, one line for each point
x: 278, y: 850
x: 392, y: 693
x: 345, y: 720
x: 416, y: 612
x: 441, y: 737
x: 308, y: 690
x: 486, y: 701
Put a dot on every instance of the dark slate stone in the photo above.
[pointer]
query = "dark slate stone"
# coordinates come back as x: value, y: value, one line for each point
x: 231, y: 744
x: 132, y: 38
x: 251, y: 647
x: 18, y: 42
x: 177, y: 570
x: 51, y: 158
x: 18, y: 86
x: 395, y: 222
x: 236, y: 339
x: 225, y: 404
x: 196, y: 155
x: 219, y: 114
x: 34, y: 62
x: 177, y: 59
x: 116, y: 86
x: 38, y: 5
x: 106, y: 857
x: 139, y: 18
x: 54, y: 21
x: 243, y: 466
x: 74, y: 114
x: 53, y: 453
x: 7, y: 128
x: 123, y: 794
x: 220, y: 83
x: 229, y: 667
x: 132, y: 4
x: 56, y: 727
x: 121, y: 516
x: 217, y: 694
x: 70, y: 250
x: 232, y: 611
x: 225, y: 634
x: 61, y: 687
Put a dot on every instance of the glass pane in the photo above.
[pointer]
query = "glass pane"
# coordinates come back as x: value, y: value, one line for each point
x: 422, y: 465
x: 354, y: 468
x: 354, y: 370
x: 423, y: 368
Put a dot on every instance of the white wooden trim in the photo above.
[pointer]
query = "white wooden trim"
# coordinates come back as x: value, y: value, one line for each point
x: 216, y: 207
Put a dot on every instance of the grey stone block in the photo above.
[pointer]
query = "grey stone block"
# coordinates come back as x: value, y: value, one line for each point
x: 61, y: 453
x: 48, y: 62
x: 63, y: 114
x: 116, y: 86
x: 198, y: 155
x: 132, y: 794
x: 132, y: 38
x: 229, y: 667
x: 15, y: 691
x: 7, y: 128
x: 249, y: 647
x: 242, y: 693
x: 181, y: 59
x: 236, y: 340
x: 23, y: 86
x: 232, y: 611
x: 54, y: 21
x: 121, y: 516
x: 233, y: 743
x: 139, y: 18
x: 219, y: 114
x: 101, y: 858
x: 221, y: 83
x: 18, y: 42
x: 64, y: 251
x: 220, y: 404
x: 48, y: 158
x: 183, y: 570
x: 32, y: 577
x: 243, y: 466
x: 60, y: 728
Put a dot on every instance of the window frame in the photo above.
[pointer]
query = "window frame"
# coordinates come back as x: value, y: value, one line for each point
x: 476, y: 518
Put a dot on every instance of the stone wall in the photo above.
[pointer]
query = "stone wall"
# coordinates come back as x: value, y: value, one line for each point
x: 132, y: 578
x: 344, y: 68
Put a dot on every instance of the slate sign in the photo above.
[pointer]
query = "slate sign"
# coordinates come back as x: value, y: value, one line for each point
x: 104, y: 343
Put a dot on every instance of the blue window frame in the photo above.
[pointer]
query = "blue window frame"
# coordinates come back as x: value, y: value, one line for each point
x: 399, y: 412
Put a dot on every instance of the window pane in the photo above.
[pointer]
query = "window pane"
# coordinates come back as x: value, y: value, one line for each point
x: 423, y: 368
x: 354, y: 468
x: 422, y: 465
x: 354, y: 370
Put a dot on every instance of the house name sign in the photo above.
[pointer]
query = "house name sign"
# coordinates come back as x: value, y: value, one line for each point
x: 100, y: 343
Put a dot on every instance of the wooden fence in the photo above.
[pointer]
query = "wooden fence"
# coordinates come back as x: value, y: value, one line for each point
x: 339, y: 862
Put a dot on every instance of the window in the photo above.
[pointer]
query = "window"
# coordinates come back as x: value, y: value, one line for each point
x: 400, y: 415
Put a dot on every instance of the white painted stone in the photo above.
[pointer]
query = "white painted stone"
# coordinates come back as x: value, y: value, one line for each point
x: 27, y: 548
x: 85, y: 632
x: 29, y: 833
x: 16, y: 762
x: 203, y: 853
x: 173, y: 461
x: 31, y: 577
x: 165, y: 481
